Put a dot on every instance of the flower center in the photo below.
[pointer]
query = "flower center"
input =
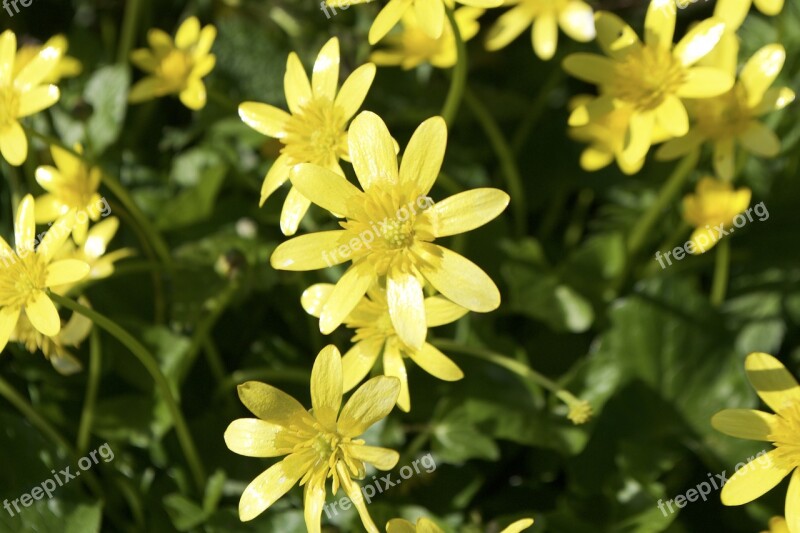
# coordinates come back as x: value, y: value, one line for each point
x: 9, y: 105
x: 724, y: 116
x: 175, y: 68
x: 646, y: 76
x: 786, y: 436
x: 22, y: 278
x: 316, y: 134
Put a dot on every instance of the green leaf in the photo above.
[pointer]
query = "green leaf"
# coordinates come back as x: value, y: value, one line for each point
x: 107, y: 92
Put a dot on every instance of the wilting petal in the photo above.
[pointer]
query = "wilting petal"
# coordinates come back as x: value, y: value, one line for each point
x: 745, y: 423
x: 773, y: 383
x: 326, y: 386
x: 753, y: 480
x: 255, y: 438
x: 370, y: 403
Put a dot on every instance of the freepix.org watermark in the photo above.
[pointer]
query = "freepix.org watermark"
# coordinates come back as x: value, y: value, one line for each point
x: 49, y: 486
x: 8, y: 4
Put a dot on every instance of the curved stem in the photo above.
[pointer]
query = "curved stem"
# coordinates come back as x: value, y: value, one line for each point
x: 152, y: 367
x: 666, y: 195
x: 506, y: 157
x: 87, y: 415
x: 128, y: 32
x: 719, y: 285
x: 535, y: 111
x: 459, y: 80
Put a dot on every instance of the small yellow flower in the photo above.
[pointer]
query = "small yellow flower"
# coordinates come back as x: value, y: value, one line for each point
x: 733, y: 12
x: 777, y: 525
x: 176, y: 67
x: 71, y: 186
x: 375, y: 334
x: 424, y: 525
x: 780, y: 391
x: 318, y: 444
x: 29, y: 270
x: 711, y: 210
x: 23, y: 93
x: 413, y: 47
x: 651, y: 77
x: 389, y: 229
x: 544, y: 17
x: 316, y: 130
x: 67, y: 67
x: 732, y: 118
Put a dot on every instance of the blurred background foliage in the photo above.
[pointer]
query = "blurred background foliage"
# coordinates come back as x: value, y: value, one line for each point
x: 642, y: 344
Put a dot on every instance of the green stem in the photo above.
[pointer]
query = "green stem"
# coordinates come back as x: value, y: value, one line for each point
x: 506, y: 157
x: 459, y: 80
x: 87, y: 415
x: 128, y: 33
x: 536, y: 109
x: 161, y: 383
x: 666, y: 195
x: 719, y: 285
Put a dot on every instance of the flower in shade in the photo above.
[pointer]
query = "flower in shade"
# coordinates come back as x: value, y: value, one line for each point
x: 777, y: 524
x: 318, y: 444
x: 425, y: 525
x: 779, y: 390
x: 650, y: 77
x: 176, y: 67
x: 544, y: 17
x: 413, y: 46
x: 29, y: 270
x: 711, y: 209
x: 71, y: 186
x: 375, y: 334
x: 733, y: 12
x: 23, y: 93
x: 67, y: 66
x: 315, y: 129
x: 732, y: 118
x: 389, y: 229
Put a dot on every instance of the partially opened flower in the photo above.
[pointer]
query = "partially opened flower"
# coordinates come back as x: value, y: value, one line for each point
x: 71, y: 186
x: 733, y: 12
x: 732, y: 118
x: 318, y: 444
x: 315, y: 129
x: 425, y: 525
x: 375, y: 335
x: 29, y: 270
x: 711, y: 209
x: 777, y: 524
x: 389, y: 229
x: 650, y: 77
x: 575, y: 17
x: 67, y: 66
x: 779, y: 390
x: 23, y: 93
x: 176, y: 67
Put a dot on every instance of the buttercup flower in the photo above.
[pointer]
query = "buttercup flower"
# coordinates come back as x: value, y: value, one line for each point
x: 733, y: 12
x: 70, y: 185
x: 544, y: 17
x: 777, y: 525
x: 413, y: 46
x: 732, y: 118
x: 424, y: 525
x: 23, y: 93
x: 316, y: 130
x: 389, y: 229
x: 29, y: 270
x: 176, y: 67
x: 375, y: 334
x: 650, y: 77
x: 712, y: 209
x: 780, y: 391
x: 318, y: 444
x: 67, y: 66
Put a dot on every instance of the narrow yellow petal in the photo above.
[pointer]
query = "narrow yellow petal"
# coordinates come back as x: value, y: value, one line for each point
x: 8, y: 50
x: 672, y: 116
x: 205, y: 41
x: 276, y: 481
x: 773, y: 383
x: 577, y: 21
x: 508, y: 27
x: 325, y: 188
x: 25, y: 225
x: 398, y: 525
x: 354, y: 90
x: 372, y: 150
x: 314, y: 298
x: 544, y: 35
x: 754, y: 480
x: 591, y: 68
x: 294, y: 209
x: 56, y: 236
x: 252, y: 437
x: 380, y: 458
x: 359, y: 360
x: 680, y: 147
x: 8, y: 321
x: 725, y: 158
x: 349, y: 290
x: 744, y: 423
x: 761, y: 70
x: 39, y: 67
x: 272, y: 405
x: 264, y: 118
x: 37, y: 99
x: 194, y: 95
x: 640, y: 136
x: 406, y: 307
x: 48, y: 207
x: 370, y: 403
x: 466, y: 211
x: 314, y: 502
x: 769, y: 7
x: 388, y: 17
x: 276, y: 176
x: 394, y: 366
x: 793, y: 503
x: 422, y: 160
x: 437, y: 364
x: 188, y: 33
x: 326, y: 386
x: 732, y: 12
x: 296, y: 85
x: 705, y: 82
x: 309, y: 252
x: 430, y: 14
x: 519, y: 525
x: 659, y: 23
x: 699, y: 41
x: 13, y: 143
x: 43, y: 315
x: 460, y: 280
x: 353, y: 491
x: 440, y: 311
x: 760, y: 140
x: 147, y: 89
x: 66, y: 271
x: 614, y: 35
x: 325, y: 76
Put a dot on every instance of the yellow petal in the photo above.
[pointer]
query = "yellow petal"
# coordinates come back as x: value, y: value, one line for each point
x: 659, y: 23
x: 508, y: 27
x: 466, y: 211
x: 591, y: 68
x: 704, y: 239
x: 388, y: 17
x: 37, y: 99
x: 424, y: 154
x: 99, y: 237
x: 39, y: 67
x: 725, y: 158
x: 48, y: 207
x: 440, y: 311
x: 25, y: 225
x: 314, y: 298
x: 704, y: 82
x: 406, y: 307
x: 398, y: 525
x: 8, y: 321
x: 732, y: 12
x: 672, y: 116
x: 437, y: 364
x: 326, y: 386
x: 325, y: 188
x: 66, y: 271
x: 252, y: 437
x: 773, y: 383
x: 760, y: 72
x: 325, y: 76
x: 595, y: 158
x: 188, y: 33
x: 544, y: 35
x: 13, y: 143
x: 370, y: 403
x: 265, y: 119
x: 769, y: 7
x: 354, y: 90
x: 353, y: 491
x: 294, y: 209
x: 268, y: 487
x: 8, y: 49
x: 430, y: 15
x: 144, y: 59
x: 774, y: 100
x: 394, y: 366
x: 753, y: 480
x: 372, y: 150
x: 680, y: 147
x: 147, y: 89
x: 380, y: 458
x: 744, y: 423
x: 614, y: 35
x: 640, y: 136
x: 205, y: 41
x: 56, y: 236
x: 460, y: 280
x: 699, y: 41
x: 314, y: 502
x: 793, y: 503
x: 276, y: 176
x: 309, y: 252
x: 359, y: 360
x: 760, y: 140
x: 296, y: 85
x: 43, y: 314
x: 349, y: 290
x: 593, y: 110
x: 425, y: 525
x: 577, y: 21
x: 159, y: 40
x: 77, y: 328
x: 272, y: 405
x: 194, y: 95
x: 519, y: 525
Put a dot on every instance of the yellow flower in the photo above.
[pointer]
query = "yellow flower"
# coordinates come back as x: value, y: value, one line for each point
x: 375, y: 334
x: 389, y: 229
x: 318, y: 444
x: 777, y: 525
x: 22, y: 94
x: 413, y: 47
x: 733, y: 12
x: 650, y: 77
x: 712, y: 209
x: 544, y: 17
x: 316, y: 130
x: 71, y: 186
x: 424, y: 525
x: 176, y: 68
x: 67, y: 66
x: 780, y: 391
x: 29, y: 270
x: 732, y: 118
